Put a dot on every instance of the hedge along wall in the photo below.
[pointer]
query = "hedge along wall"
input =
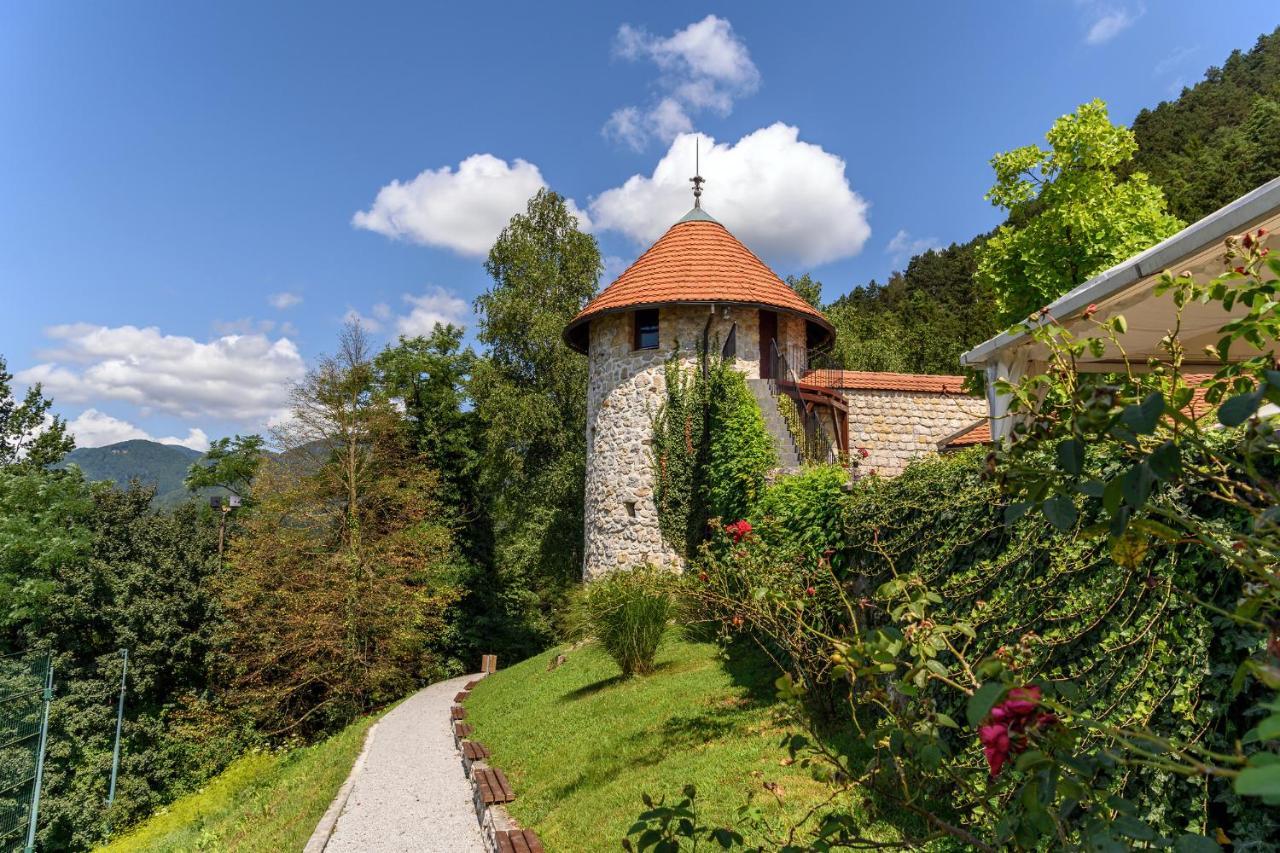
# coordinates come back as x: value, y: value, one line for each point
x: 1058, y: 607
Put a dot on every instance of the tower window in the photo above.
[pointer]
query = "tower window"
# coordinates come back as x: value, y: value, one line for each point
x: 647, y: 329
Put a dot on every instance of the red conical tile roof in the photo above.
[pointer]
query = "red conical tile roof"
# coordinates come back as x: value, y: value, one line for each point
x: 696, y: 261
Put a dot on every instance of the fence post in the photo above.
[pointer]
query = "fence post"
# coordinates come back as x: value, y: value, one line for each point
x: 115, y: 755
x: 44, y: 735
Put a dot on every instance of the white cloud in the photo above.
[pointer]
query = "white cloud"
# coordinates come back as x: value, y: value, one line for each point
x: 463, y: 210
x: 703, y: 67
x: 93, y: 428
x: 903, y: 246
x: 284, y: 300
x: 232, y: 377
x: 436, y: 306
x: 782, y: 197
x: 1108, y: 21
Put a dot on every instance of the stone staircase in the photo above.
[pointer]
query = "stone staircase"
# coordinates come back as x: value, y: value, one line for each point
x: 783, y: 441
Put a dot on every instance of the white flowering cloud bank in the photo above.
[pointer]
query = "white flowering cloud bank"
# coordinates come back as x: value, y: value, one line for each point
x: 783, y: 197
x: 703, y: 67
x: 93, y: 428
x: 234, y: 377
x: 463, y: 209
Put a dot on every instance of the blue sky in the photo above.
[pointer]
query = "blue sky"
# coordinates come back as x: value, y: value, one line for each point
x: 194, y: 196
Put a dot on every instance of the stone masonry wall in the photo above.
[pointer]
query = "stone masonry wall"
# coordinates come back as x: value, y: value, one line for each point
x: 898, y: 426
x: 625, y: 387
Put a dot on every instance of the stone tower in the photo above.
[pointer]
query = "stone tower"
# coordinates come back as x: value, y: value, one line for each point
x: 696, y: 283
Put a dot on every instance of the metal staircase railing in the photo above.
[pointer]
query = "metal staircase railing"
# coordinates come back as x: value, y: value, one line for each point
x: 814, y: 395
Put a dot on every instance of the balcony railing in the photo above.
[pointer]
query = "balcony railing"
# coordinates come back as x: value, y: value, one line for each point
x: 818, y: 402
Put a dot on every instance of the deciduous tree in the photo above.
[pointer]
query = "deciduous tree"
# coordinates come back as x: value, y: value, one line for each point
x: 1071, y: 213
x: 341, y: 582
x: 531, y: 396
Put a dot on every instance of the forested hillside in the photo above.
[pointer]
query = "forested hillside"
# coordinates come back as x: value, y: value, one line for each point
x: 161, y: 466
x: 1216, y: 141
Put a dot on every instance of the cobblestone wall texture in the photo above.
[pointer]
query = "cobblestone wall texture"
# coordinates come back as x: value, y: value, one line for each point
x: 625, y: 389
x: 898, y: 426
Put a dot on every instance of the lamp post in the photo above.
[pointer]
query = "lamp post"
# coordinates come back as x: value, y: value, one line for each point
x: 216, y: 502
x: 115, y: 755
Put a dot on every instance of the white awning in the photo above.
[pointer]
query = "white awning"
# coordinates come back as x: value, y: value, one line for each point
x: 1127, y: 289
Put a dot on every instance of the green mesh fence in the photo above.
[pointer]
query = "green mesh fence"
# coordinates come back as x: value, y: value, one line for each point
x: 23, y: 679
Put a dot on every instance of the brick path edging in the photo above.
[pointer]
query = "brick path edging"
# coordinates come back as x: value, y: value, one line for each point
x: 501, y: 834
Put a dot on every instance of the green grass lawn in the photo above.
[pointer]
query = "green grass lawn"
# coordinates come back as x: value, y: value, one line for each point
x: 580, y: 745
x: 269, y: 802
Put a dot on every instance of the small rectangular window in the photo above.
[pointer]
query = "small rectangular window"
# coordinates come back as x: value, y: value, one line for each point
x: 647, y: 329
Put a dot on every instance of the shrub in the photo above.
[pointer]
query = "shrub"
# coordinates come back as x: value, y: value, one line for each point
x: 806, y: 510
x: 627, y: 612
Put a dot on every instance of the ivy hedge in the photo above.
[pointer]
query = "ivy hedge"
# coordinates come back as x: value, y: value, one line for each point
x: 1055, y: 606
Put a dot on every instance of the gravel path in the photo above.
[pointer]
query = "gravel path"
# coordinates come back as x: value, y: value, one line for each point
x: 411, y: 793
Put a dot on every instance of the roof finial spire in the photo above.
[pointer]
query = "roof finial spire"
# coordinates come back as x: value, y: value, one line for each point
x: 697, y: 180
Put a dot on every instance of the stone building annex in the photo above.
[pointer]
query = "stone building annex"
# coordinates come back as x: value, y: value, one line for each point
x: 699, y: 286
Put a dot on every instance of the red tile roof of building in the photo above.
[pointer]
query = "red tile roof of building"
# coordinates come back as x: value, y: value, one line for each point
x: 979, y: 432
x: 864, y: 380
x: 697, y: 261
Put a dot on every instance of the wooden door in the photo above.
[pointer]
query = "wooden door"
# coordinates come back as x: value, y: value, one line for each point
x: 768, y: 343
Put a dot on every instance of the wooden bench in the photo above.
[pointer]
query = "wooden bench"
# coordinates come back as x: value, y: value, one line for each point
x: 457, y: 712
x: 463, y: 729
x: 461, y: 696
x: 494, y: 787
x: 518, y: 841
x: 474, y: 750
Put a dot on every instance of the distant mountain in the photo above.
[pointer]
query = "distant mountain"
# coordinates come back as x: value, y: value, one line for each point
x: 151, y: 463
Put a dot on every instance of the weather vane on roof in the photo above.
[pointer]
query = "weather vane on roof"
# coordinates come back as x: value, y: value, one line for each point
x: 697, y: 180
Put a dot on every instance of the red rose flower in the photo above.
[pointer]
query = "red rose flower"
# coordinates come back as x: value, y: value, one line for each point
x: 810, y: 591
x: 863, y: 452
x: 995, y: 745
x: 1005, y: 733
x: 738, y: 529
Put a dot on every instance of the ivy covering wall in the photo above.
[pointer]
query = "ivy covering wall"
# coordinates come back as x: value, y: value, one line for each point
x: 711, y: 450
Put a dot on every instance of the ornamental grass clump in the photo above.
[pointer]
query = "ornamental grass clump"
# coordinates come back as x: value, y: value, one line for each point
x: 627, y: 613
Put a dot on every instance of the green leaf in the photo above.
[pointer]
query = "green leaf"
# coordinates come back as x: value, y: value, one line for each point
x: 1131, y: 827
x: 1259, y: 781
x: 1143, y: 417
x: 1166, y: 461
x: 1092, y: 488
x: 982, y: 701
x: 1030, y: 758
x: 1015, y: 511
x: 1195, y: 844
x: 1061, y: 512
x: 1269, y: 729
x: 1237, y: 410
x: 1071, y: 455
x: 1112, y: 495
x: 1136, y: 485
